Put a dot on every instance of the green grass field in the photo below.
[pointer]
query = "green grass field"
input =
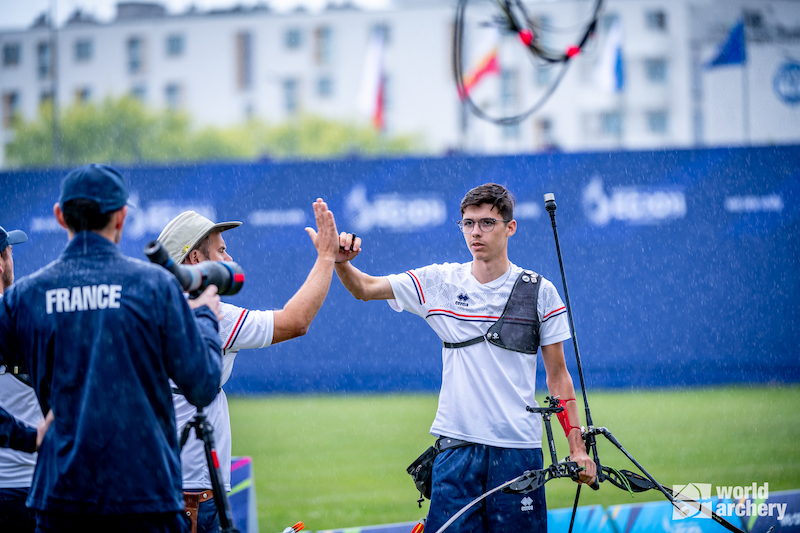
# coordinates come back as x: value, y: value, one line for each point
x: 339, y: 461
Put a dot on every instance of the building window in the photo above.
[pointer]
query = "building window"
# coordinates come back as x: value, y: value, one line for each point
x: 656, y: 70
x: 83, y: 95
x: 657, y: 121
x: 323, y: 52
x: 44, y: 60
x: 293, y: 38
x: 244, y: 60
x: 544, y: 134
x: 545, y: 26
x: 383, y: 30
x: 510, y: 131
x: 11, y: 54
x: 542, y: 75
x: 84, y: 50
x: 607, y: 21
x: 135, y: 55
x: 173, y: 95
x: 175, y: 45
x: 656, y: 20
x: 139, y: 92
x: 611, y: 123
x: 325, y: 87
x: 46, y: 97
x: 508, y: 88
x: 10, y: 108
x: 290, y: 96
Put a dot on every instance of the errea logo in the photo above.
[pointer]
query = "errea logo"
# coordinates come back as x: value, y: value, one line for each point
x: 462, y: 300
x: 527, y: 504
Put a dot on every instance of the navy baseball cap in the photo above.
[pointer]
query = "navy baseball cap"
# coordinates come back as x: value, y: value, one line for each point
x: 99, y: 183
x: 12, y: 237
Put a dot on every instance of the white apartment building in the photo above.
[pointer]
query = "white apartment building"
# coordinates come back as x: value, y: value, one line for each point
x: 225, y: 66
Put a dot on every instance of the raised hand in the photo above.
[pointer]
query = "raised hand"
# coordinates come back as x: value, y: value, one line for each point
x: 349, y: 247
x: 324, y: 237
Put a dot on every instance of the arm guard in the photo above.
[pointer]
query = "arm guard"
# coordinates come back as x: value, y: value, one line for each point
x: 563, y: 417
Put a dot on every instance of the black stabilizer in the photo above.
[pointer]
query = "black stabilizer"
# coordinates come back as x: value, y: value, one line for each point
x: 588, y: 437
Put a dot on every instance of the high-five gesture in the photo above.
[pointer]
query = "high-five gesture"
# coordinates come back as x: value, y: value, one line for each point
x: 349, y: 247
x: 325, y: 239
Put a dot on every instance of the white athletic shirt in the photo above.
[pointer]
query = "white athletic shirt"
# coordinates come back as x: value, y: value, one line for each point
x: 16, y: 468
x: 485, y: 388
x: 239, y: 329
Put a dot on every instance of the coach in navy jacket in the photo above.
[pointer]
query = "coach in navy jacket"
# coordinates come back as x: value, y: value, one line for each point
x: 100, y: 335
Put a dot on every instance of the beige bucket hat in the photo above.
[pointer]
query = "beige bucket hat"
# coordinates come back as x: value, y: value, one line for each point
x: 187, y: 230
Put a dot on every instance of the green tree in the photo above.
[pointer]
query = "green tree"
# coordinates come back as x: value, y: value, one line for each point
x: 125, y: 131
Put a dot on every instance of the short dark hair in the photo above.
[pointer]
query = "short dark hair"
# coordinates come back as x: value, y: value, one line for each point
x: 493, y: 194
x: 204, y: 246
x: 81, y: 214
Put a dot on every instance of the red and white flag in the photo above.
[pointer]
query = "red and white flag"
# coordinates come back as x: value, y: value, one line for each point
x: 371, y: 95
x: 487, y: 62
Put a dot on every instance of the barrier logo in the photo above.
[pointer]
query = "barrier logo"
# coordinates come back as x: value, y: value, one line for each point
x: 394, y: 212
x: 688, y: 499
x: 786, y: 82
x: 741, y: 501
x: 633, y: 205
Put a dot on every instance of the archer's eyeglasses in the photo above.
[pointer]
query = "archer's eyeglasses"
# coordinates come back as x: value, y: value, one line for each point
x: 467, y: 225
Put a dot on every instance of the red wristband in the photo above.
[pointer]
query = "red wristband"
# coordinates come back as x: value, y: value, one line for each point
x: 563, y: 417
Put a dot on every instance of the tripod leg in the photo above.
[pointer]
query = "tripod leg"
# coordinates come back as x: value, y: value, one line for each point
x: 205, y: 432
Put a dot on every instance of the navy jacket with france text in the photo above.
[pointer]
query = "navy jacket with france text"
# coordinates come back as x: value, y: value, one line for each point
x: 101, y: 334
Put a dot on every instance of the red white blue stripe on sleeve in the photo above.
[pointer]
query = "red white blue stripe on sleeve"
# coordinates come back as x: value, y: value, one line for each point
x: 555, y: 312
x: 417, y: 287
x: 236, y: 329
x: 461, y: 316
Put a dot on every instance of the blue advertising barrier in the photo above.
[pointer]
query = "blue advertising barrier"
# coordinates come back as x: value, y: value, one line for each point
x: 242, y: 497
x: 587, y: 518
x: 779, y: 509
x: 682, y: 264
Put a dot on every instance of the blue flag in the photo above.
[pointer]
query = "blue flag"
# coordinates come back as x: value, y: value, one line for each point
x: 609, y: 71
x: 731, y: 52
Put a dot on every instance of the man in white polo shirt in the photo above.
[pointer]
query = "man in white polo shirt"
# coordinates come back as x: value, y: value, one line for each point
x: 191, y: 238
x: 486, y: 436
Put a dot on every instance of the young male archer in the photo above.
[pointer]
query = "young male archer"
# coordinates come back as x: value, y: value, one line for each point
x: 485, y: 435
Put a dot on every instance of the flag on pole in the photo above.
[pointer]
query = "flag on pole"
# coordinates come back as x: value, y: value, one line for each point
x: 609, y: 73
x: 731, y: 50
x: 370, y: 96
x: 487, y: 63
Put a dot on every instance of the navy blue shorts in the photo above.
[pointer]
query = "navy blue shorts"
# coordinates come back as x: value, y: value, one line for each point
x: 14, y: 516
x: 462, y: 474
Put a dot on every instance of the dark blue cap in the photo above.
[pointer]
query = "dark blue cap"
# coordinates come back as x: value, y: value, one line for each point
x: 12, y: 237
x: 99, y: 183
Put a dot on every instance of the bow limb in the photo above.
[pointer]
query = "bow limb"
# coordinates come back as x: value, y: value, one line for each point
x: 472, y: 503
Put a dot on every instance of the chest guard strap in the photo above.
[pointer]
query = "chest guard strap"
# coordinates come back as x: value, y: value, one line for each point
x: 517, y: 329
